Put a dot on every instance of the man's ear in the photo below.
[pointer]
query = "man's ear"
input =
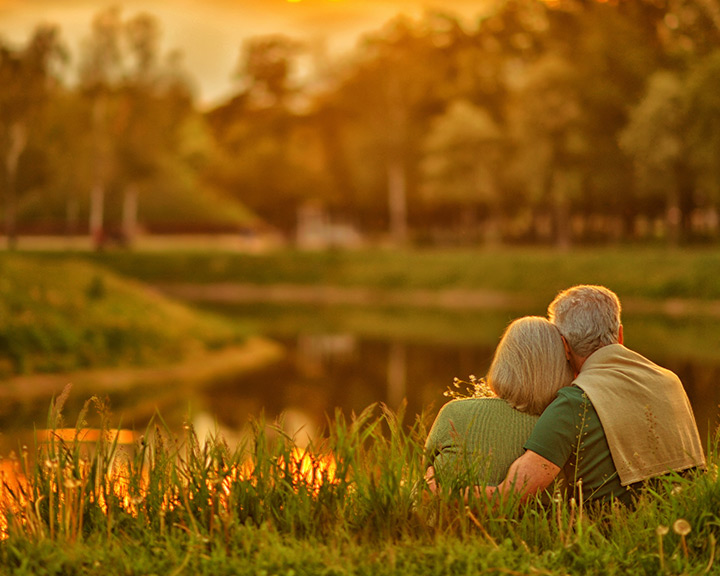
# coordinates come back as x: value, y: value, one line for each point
x: 568, y: 350
x: 620, y: 334
x: 571, y: 357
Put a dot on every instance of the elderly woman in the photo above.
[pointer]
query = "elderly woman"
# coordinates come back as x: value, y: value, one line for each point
x: 478, y: 438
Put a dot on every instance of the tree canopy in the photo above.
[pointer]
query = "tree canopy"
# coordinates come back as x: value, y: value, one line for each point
x: 565, y: 121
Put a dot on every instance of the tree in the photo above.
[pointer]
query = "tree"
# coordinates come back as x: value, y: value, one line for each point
x: 269, y: 151
x: 266, y: 69
x: 462, y: 163
x: 549, y: 139
x: 100, y: 74
x: 388, y: 98
x: 702, y: 111
x: 139, y: 125
x: 27, y: 77
x: 654, y: 140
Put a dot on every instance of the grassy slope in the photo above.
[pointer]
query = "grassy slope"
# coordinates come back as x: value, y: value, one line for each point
x: 65, y: 314
x: 633, y: 272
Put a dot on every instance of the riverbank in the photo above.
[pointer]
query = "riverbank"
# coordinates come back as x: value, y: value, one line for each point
x: 139, y: 393
x: 197, y: 369
x: 66, y: 314
x: 453, y: 299
x: 538, y: 273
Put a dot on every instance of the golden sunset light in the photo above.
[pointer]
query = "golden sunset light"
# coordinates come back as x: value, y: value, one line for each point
x: 210, y: 33
x: 357, y: 286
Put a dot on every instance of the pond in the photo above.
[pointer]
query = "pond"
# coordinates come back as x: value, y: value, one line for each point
x: 338, y: 358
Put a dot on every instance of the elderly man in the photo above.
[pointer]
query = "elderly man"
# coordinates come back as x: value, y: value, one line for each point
x: 622, y: 421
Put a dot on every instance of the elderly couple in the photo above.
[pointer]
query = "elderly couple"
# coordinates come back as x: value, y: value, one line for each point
x: 571, y: 404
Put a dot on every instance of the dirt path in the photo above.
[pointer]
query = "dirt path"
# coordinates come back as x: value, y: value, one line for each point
x: 458, y: 299
x: 298, y: 294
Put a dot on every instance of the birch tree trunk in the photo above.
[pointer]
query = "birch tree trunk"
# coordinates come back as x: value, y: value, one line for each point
x: 97, y: 193
x: 397, y: 201
x: 18, y: 141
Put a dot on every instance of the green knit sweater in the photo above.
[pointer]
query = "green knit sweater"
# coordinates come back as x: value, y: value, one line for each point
x: 475, y: 438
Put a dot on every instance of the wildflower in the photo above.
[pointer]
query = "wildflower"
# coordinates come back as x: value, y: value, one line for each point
x: 682, y: 528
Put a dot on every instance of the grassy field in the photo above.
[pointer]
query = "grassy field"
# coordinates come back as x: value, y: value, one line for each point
x: 654, y: 273
x: 353, y: 504
x: 66, y: 314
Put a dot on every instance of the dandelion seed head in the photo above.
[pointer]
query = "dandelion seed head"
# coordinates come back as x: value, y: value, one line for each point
x: 682, y: 527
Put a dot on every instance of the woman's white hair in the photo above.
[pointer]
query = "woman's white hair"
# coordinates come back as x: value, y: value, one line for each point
x: 587, y: 316
x: 529, y: 366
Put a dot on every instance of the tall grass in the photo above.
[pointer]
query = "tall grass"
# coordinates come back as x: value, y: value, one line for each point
x: 353, y: 503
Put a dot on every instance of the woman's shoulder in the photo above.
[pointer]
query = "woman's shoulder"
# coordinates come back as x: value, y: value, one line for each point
x: 470, y: 406
x: 481, y: 416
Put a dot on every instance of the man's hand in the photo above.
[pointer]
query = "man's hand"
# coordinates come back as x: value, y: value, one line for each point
x: 529, y: 474
x: 430, y: 479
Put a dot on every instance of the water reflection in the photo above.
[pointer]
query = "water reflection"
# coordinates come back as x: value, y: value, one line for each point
x: 376, y: 371
x: 334, y: 364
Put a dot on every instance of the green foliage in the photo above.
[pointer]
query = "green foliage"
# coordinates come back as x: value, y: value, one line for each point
x: 461, y: 156
x: 65, y: 314
x: 170, y: 504
x: 548, y: 89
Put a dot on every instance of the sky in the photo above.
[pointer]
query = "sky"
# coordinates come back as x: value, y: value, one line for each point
x: 210, y: 33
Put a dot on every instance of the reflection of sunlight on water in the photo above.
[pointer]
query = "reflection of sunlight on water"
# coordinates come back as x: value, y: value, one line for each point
x: 299, y: 426
x: 11, y: 479
x: 294, y: 423
x: 306, y: 468
x: 16, y: 488
x: 70, y: 489
x: 87, y: 435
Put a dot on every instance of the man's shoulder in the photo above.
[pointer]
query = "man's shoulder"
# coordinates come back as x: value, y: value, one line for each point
x: 569, y: 394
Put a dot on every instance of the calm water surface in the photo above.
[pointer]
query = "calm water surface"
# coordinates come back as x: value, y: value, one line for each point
x: 334, y: 362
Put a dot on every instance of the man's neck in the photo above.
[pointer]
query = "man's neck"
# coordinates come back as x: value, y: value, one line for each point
x: 576, y: 362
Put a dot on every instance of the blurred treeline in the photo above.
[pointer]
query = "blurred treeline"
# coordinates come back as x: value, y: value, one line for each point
x: 557, y: 122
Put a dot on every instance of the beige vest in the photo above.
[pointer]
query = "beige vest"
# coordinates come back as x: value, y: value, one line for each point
x: 644, y: 411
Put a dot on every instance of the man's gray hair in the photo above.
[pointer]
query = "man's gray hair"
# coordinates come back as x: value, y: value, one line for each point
x: 587, y: 316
